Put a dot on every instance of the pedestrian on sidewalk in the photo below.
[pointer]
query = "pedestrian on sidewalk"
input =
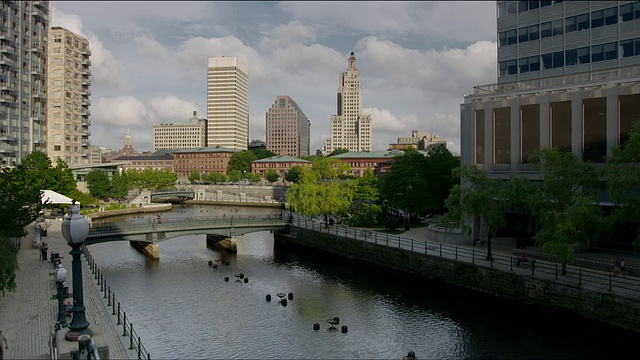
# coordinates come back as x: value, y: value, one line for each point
x: 618, y: 268
x: 3, y: 340
x: 43, y: 250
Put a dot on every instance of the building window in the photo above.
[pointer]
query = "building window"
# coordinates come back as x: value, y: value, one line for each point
x: 512, y: 37
x: 597, y: 19
x: 611, y: 16
x: 570, y: 24
x: 545, y: 30
x: 583, y: 22
x: 558, y: 28
x: 479, y: 127
x: 560, y: 118
x: 529, y: 131
x: 584, y: 55
x: 558, y: 59
x: 629, y: 114
x: 597, y: 53
x: 502, y: 135
x: 534, y: 33
x: 595, y: 129
x: 627, y: 47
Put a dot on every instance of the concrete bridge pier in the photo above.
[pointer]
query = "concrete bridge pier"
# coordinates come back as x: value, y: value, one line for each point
x: 218, y: 242
x: 150, y: 250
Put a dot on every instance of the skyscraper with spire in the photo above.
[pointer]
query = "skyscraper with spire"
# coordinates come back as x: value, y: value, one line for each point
x: 349, y: 128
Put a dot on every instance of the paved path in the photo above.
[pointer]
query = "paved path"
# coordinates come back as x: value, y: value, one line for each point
x: 27, y: 316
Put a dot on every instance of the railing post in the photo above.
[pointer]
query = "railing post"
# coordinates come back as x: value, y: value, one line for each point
x: 109, y: 297
x: 105, y: 289
x: 101, y: 282
x: 131, y: 336
x: 96, y: 274
x: 411, y: 244
x: 124, y: 324
x: 580, y: 276
x: 148, y: 356
x: 119, y: 322
x: 139, y: 349
x: 473, y: 256
x: 113, y: 303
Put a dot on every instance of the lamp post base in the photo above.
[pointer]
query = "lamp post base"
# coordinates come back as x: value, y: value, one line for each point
x: 73, y: 335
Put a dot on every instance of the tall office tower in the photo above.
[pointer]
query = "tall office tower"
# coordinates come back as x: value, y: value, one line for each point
x: 227, y: 103
x: 68, y: 94
x: 568, y: 78
x: 349, y: 128
x: 23, y: 53
x: 287, y: 128
x: 191, y: 134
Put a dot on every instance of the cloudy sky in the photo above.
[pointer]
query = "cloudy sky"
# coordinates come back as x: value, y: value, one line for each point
x: 416, y: 61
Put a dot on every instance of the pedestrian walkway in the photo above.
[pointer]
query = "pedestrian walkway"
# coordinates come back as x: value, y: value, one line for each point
x: 27, y: 316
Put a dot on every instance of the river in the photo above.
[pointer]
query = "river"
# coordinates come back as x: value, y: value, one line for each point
x: 182, y: 308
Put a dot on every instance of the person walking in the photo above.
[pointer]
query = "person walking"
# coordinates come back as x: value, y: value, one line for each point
x: 43, y: 250
x: 3, y: 340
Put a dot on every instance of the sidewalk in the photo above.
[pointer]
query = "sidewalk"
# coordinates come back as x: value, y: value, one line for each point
x: 599, y: 258
x: 28, y: 315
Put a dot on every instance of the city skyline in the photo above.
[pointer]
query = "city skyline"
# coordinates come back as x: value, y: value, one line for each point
x: 416, y: 60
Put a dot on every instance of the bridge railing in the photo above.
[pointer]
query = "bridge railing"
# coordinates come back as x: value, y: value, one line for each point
x: 184, y: 223
x: 573, y: 276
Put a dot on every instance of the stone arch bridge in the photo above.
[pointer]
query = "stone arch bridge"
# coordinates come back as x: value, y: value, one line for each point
x: 147, y: 234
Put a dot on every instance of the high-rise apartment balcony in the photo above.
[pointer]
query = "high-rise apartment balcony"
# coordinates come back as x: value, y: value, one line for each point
x: 86, y: 62
x: 86, y: 101
x: 37, y: 71
x: 42, y: 5
x: 86, y: 52
x: 86, y: 92
x: 7, y: 49
x: 38, y: 94
x: 5, y: 36
x: 7, y: 152
x: 37, y: 118
x: 35, y: 48
x: 7, y: 99
x: 8, y: 87
x: 39, y: 140
x: 7, y: 138
x: 5, y: 60
x: 85, y: 71
x: 86, y: 133
x: 38, y: 14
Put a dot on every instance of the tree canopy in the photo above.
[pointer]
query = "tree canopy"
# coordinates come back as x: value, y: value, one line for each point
x: 271, y: 175
x: 241, y: 161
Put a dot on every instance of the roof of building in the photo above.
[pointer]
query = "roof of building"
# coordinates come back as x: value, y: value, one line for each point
x: 282, y: 158
x: 207, y: 150
x: 371, y: 154
x: 146, y: 157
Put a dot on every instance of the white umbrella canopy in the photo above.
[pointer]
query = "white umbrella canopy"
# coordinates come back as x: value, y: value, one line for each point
x: 55, y: 198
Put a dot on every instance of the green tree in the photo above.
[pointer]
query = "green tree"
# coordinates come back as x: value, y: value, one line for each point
x: 271, y: 175
x: 65, y: 182
x: 293, y: 174
x: 36, y: 173
x: 338, y: 151
x: 214, y: 177
x: 364, y: 210
x: 440, y: 178
x: 263, y: 154
x: 319, y: 190
x: 405, y: 185
x: 253, y: 177
x: 241, y: 161
x: 19, y: 206
x: 235, y: 175
x: 194, y: 176
x: 98, y: 184
x: 477, y: 200
x: 119, y: 187
x: 567, y: 210
x: 623, y: 183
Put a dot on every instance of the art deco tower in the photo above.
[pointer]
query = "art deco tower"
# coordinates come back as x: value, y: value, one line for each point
x: 349, y: 128
x: 227, y: 103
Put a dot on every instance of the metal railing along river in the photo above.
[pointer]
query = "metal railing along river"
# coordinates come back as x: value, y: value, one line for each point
x: 135, y: 343
x: 585, y: 278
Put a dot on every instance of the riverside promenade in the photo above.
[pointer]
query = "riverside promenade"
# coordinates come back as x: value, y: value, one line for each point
x: 28, y: 315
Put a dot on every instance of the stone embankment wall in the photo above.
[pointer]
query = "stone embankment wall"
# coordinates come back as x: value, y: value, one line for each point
x: 606, y: 307
x: 137, y: 210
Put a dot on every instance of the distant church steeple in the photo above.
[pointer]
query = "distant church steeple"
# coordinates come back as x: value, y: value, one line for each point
x: 128, y: 149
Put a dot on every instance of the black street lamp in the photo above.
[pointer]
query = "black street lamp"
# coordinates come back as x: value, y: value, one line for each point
x: 61, y: 277
x: 75, y: 229
x: 386, y: 213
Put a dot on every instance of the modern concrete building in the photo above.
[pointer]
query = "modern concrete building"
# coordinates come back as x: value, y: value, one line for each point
x: 280, y: 163
x: 419, y: 140
x: 68, y: 92
x: 95, y: 154
x: 349, y: 128
x: 191, y: 134
x: 205, y: 160
x: 288, y: 128
x: 23, y: 92
x: 227, y: 103
x: 568, y: 77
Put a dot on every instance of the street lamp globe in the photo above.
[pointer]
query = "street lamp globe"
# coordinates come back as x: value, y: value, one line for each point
x: 61, y: 274
x: 75, y: 227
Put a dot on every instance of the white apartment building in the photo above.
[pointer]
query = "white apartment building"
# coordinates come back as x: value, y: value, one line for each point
x: 192, y: 134
x: 288, y: 128
x: 68, y: 83
x: 349, y: 128
x: 23, y: 93
x: 227, y: 103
